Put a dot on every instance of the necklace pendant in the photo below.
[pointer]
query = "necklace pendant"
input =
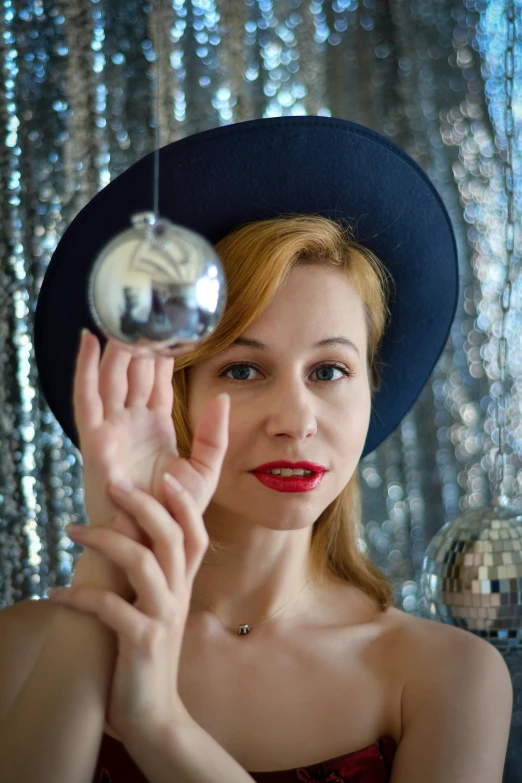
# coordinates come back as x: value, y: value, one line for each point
x: 242, y: 629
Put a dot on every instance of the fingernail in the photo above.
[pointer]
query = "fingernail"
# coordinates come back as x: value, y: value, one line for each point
x: 172, y: 482
x: 224, y: 396
x: 73, y: 529
x: 85, y: 332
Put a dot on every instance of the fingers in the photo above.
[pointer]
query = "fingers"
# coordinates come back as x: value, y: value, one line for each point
x: 138, y: 563
x: 187, y: 514
x: 140, y: 381
x: 177, y: 538
x: 88, y: 405
x: 177, y: 549
x: 132, y: 381
x: 162, y: 395
x: 113, y: 611
x: 113, y: 382
x: 123, y: 523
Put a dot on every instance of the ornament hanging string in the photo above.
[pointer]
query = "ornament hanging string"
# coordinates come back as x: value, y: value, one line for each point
x: 502, y: 402
x: 157, y: 61
x: 145, y: 288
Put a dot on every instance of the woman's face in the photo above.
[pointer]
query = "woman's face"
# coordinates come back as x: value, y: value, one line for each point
x: 287, y: 402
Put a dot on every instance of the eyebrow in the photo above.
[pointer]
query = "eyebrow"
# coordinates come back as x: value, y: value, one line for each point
x: 251, y: 343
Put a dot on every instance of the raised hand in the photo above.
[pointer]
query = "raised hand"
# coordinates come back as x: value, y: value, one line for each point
x: 123, y: 413
x: 144, y: 698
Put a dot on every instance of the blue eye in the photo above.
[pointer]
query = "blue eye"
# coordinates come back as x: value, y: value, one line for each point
x: 237, y: 365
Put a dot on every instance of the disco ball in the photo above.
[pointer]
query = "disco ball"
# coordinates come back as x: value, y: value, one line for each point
x: 157, y: 288
x: 472, y: 575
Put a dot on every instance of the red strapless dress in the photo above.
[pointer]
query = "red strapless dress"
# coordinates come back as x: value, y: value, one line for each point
x: 368, y: 765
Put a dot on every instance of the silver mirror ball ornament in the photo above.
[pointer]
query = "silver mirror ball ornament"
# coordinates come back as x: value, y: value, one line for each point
x: 472, y: 575
x: 157, y: 288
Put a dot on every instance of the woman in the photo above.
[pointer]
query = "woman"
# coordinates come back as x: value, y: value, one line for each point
x: 330, y: 669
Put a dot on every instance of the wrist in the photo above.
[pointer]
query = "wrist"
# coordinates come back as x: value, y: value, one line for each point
x: 92, y: 569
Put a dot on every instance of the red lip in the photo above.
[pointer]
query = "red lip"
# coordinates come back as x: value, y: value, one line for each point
x: 291, y: 483
x: 285, y: 464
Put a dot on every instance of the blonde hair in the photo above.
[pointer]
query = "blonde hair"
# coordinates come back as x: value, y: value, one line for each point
x: 257, y: 258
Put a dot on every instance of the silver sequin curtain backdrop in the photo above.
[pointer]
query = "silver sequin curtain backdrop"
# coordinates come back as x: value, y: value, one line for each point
x: 77, y: 105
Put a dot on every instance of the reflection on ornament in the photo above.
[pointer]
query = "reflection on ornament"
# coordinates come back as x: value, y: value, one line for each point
x: 157, y: 288
x: 472, y: 575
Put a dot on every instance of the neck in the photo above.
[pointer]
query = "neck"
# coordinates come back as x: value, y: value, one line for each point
x: 260, y: 610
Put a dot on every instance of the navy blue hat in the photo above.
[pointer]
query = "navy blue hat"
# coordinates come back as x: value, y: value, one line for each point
x: 214, y: 181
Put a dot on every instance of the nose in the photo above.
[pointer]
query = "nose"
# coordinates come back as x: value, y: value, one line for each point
x: 291, y: 410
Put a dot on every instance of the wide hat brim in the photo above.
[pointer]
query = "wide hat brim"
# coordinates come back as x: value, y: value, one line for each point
x: 215, y: 180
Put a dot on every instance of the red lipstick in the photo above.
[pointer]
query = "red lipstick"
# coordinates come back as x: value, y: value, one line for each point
x: 290, y: 483
x: 282, y: 463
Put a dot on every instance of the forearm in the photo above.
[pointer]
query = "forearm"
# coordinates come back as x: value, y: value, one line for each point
x: 53, y: 731
x: 185, y: 754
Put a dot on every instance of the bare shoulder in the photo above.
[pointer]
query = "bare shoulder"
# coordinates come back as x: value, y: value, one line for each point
x: 456, y: 689
x: 23, y: 628
x: 419, y: 630
x: 432, y: 638
x: 456, y: 705
x: 36, y: 615
x: 426, y: 646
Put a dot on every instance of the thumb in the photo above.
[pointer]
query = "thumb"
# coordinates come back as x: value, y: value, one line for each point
x: 210, y: 440
x: 199, y: 473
